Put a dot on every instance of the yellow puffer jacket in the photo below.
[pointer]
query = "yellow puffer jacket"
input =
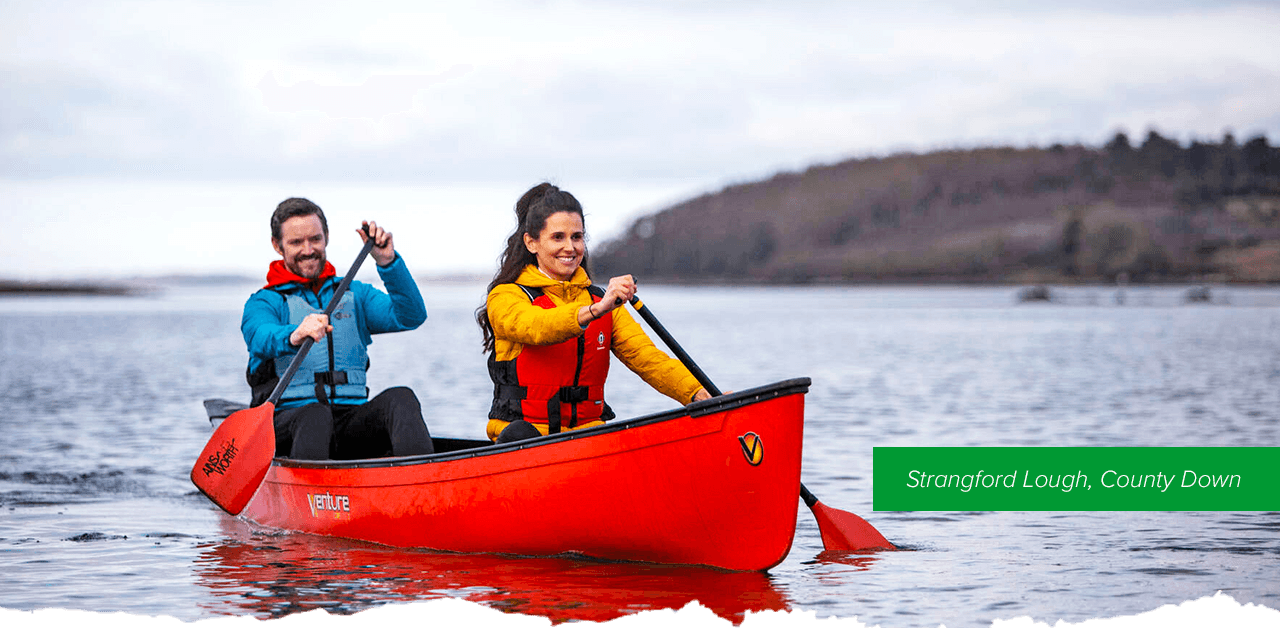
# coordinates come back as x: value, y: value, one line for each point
x: 517, y: 322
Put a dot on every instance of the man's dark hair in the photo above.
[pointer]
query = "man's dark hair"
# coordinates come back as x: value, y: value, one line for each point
x: 296, y: 207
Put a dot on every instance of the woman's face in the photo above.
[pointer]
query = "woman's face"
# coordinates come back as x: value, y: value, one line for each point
x: 560, y: 246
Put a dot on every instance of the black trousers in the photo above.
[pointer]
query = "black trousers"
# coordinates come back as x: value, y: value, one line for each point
x: 390, y: 424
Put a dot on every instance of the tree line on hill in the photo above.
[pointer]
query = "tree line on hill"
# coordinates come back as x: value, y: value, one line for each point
x: 1158, y: 211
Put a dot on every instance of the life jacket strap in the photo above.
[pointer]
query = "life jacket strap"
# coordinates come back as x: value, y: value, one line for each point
x: 512, y: 392
x: 566, y: 395
x: 328, y: 379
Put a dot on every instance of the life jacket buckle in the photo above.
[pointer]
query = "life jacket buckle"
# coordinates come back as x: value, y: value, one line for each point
x: 573, y: 394
x: 331, y: 377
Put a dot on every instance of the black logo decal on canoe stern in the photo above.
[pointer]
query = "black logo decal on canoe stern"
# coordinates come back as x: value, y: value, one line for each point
x: 752, y: 447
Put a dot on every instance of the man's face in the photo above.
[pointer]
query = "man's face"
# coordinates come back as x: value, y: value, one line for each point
x: 301, y: 244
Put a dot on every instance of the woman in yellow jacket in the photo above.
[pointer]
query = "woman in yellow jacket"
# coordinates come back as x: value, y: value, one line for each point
x: 549, y: 331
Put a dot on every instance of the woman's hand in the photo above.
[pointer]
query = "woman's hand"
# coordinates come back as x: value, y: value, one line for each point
x: 702, y: 394
x: 620, y: 290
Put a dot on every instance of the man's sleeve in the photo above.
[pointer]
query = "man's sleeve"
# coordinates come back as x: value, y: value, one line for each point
x: 264, y: 333
x: 399, y: 309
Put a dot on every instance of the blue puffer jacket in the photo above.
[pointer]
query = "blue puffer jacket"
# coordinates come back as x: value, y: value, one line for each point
x: 268, y: 322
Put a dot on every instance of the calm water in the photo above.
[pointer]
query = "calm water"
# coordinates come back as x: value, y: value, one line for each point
x: 101, y: 418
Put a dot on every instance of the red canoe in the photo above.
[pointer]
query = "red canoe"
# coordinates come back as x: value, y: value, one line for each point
x: 715, y: 483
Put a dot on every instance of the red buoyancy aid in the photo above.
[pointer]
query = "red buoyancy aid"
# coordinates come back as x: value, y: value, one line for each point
x: 560, y: 385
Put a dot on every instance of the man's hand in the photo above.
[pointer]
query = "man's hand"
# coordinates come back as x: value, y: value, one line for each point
x: 384, y: 251
x: 316, y: 326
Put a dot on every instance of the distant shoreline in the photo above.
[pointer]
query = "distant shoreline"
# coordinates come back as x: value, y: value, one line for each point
x: 147, y: 285
x: 16, y: 288
x: 1023, y: 280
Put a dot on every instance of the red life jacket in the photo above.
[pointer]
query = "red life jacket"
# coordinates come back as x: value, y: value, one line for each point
x: 560, y: 385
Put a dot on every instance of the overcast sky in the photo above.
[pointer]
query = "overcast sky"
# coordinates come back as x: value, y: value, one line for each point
x: 439, y: 115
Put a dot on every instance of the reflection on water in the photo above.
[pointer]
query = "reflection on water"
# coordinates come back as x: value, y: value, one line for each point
x: 101, y: 418
x: 270, y: 575
x: 861, y: 560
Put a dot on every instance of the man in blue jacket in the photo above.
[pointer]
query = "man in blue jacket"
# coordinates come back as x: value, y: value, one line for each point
x: 325, y: 411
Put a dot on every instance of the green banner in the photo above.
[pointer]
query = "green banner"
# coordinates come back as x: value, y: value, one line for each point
x: 1076, y: 479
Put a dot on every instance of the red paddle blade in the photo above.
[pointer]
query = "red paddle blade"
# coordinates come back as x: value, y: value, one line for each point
x: 844, y: 531
x: 237, y: 457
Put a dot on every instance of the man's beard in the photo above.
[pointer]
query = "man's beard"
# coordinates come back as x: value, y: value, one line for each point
x: 297, y: 263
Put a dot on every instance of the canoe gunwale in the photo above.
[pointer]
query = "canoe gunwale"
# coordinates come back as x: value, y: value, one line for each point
x: 218, y: 409
x: 719, y: 404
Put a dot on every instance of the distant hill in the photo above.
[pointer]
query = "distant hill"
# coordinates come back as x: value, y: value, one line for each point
x: 1156, y: 212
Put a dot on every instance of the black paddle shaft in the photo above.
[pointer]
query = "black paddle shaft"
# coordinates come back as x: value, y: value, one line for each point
x: 805, y: 494
x: 328, y: 310
x: 675, y: 347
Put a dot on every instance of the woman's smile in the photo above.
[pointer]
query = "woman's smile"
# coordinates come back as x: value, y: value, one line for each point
x: 561, y: 245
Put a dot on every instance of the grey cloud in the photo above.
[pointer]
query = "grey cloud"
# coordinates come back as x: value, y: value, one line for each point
x: 595, y: 118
